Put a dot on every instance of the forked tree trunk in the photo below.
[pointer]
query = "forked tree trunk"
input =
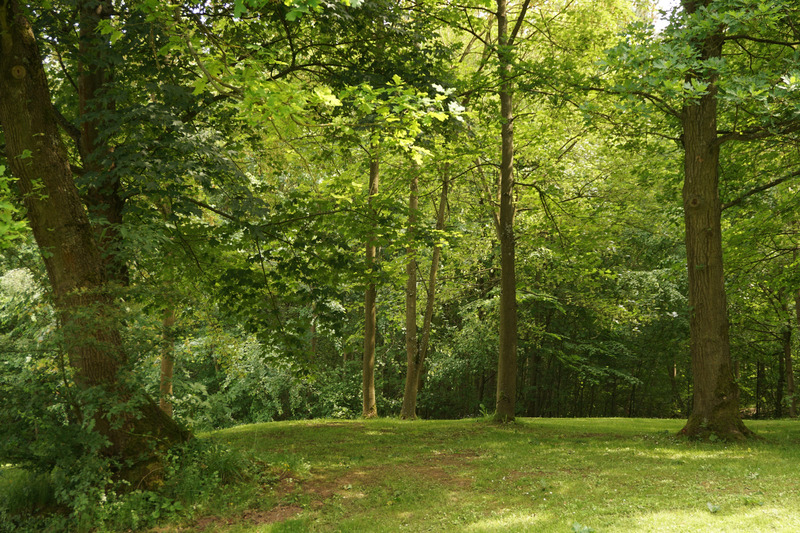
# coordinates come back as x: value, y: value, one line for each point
x: 715, y: 408
x: 416, y: 364
x: 507, y: 358
x: 370, y: 409
x: 88, y: 314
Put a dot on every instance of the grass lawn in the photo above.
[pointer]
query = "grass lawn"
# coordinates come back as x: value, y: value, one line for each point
x: 564, y: 475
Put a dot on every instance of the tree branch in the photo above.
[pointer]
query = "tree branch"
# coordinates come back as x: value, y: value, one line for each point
x: 519, y: 22
x: 755, y: 135
x: 759, y: 40
x: 760, y: 188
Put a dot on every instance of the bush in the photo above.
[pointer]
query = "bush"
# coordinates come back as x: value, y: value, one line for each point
x: 85, y: 499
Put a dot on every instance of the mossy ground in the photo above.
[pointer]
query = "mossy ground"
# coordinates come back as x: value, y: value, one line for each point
x: 605, y: 475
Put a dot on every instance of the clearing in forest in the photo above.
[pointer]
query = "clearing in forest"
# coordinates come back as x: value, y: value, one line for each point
x: 603, y: 475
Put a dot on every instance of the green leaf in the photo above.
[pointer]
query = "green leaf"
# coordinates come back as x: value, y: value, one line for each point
x: 239, y: 8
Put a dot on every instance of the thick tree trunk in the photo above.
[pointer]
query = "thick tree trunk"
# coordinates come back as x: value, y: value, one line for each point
x: 370, y: 409
x: 38, y: 159
x: 415, y: 366
x: 507, y: 359
x: 715, y: 408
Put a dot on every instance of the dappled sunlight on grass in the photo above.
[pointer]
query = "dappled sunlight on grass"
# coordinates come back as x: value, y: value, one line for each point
x: 508, y: 520
x: 726, y: 519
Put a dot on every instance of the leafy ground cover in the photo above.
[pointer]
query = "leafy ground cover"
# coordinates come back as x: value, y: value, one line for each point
x: 603, y: 475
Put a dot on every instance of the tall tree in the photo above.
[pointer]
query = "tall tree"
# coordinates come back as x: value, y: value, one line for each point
x: 408, y: 411
x: 507, y: 359
x: 417, y: 350
x: 714, y: 96
x: 715, y: 406
x: 74, y: 263
x: 369, y: 408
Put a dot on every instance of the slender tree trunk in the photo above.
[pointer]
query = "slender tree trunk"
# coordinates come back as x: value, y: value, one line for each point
x: 786, y: 341
x: 673, y: 385
x: 507, y: 358
x: 88, y: 314
x: 313, y: 332
x: 715, y: 407
x: 759, y: 388
x: 415, y: 366
x: 408, y: 411
x: 790, y: 386
x: 167, y: 361
x: 370, y: 409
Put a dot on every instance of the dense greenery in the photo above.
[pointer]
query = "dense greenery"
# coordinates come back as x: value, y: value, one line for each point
x: 251, y: 176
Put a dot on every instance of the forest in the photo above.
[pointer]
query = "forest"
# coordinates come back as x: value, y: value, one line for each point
x: 224, y: 213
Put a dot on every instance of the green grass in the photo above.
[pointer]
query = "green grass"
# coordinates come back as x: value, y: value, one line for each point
x: 560, y: 475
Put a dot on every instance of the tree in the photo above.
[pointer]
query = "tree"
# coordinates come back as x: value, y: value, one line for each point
x: 38, y: 160
x: 507, y: 360
x: 716, y: 394
x: 417, y: 352
x: 370, y: 409
x: 713, y: 96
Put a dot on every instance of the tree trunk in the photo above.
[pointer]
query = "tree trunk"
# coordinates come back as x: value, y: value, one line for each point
x: 786, y: 348
x: 715, y: 407
x: 408, y: 411
x: 103, y: 197
x: 88, y: 315
x: 507, y: 358
x: 759, y: 389
x: 370, y: 409
x: 673, y: 385
x: 790, y: 387
x: 167, y: 361
x: 414, y: 371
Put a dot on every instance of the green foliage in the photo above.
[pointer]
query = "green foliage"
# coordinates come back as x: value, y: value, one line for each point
x: 11, y: 227
x: 190, y: 475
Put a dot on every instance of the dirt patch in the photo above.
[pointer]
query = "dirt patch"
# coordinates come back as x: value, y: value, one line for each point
x: 276, y: 514
x: 454, y: 458
x: 251, y: 516
x: 439, y: 468
x: 435, y: 468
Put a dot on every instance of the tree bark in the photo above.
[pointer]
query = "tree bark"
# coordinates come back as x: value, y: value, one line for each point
x: 415, y: 367
x: 507, y: 358
x: 715, y: 408
x: 87, y: 313
x: 409, y: 409
x: 370, y: 409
